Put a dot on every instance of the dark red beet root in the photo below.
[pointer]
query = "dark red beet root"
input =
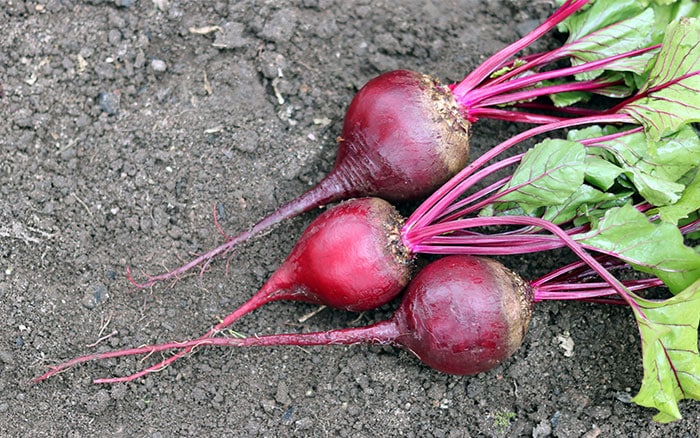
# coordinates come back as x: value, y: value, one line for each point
x: 402, y: 138
x: 464, y: 314
x: 460, y: 315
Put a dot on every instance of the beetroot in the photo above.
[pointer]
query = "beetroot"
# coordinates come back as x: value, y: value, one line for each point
x: 464, y: 314
x: 350, y: 257
x: 403, y: 137
x: 460, y: 315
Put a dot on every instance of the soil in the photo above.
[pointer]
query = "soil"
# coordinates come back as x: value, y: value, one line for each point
x: 124, y: 123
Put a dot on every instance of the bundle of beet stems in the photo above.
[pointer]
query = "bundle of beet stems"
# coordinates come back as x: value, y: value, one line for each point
x: 616, y: 183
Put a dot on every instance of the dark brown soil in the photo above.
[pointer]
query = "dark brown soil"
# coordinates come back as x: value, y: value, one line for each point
x: 124, y: 122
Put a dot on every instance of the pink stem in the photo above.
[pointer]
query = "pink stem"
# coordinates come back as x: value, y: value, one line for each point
x: 501, y: 99
x: 475, y: 97
x: 443, y: 197
x: 510, y: 116
x: 494, y: 62
x: 570, y: 110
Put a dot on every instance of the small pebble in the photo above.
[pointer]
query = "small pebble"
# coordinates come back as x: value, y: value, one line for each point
x: 158, y: 65
x: 114, y: 37
x: 109, y: 102
x: 95, y: 295
x: 231, y: 36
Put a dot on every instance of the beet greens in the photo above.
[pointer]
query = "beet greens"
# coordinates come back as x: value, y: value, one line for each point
x: 626, y: 184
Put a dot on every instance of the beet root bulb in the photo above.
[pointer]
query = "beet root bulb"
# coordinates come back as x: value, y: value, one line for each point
x: 403, y: 137
x: 464, y: 315
x: 350, y: 257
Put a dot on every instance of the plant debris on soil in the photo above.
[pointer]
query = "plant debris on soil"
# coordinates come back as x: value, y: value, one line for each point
x: 127, y: 123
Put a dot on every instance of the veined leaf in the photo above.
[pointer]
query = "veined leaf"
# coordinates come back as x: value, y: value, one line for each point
x: 601, y: 173
x: 569, y: 98
x: 598, y: 15
x: 583, y: 203
x: 656, y: 248
x: 619, y: 37
x: 688, y: 203
x: 654, y: 167
x: 669, y: 331
x: 667, y: 11
x: 547, y: 174
x: 672, y: 92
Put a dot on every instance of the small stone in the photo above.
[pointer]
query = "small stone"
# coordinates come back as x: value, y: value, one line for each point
x: 163, y: 5
x: 543, y: 429
x: 23, y: 118
x: 282, y: 394
x: 95, y: 295
x: 158, y: 65
x: 109, y: 102
x: 267, y: 405
x: 114, y: 37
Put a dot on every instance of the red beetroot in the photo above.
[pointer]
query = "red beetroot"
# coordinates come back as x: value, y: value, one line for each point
x: 403, y: 137
x: 464, y: 314
x: 460, y: 315
x: 350, y: 257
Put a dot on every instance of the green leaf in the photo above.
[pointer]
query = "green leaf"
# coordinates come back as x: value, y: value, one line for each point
x: 655, y: 248
x: 672, y: 92
x: 548, y: 173
x: 600, y: 14
x: 502, y: 209
x: 656, y: 191
x: 667, y: 11
x: 592, y: 131
x: 688, y: 203
x: 674, y: 155
x: 562, y: 100
x: 669, y: 331
x: 635, y: 64
x: 654, y: 167
x: 585, y: 203
x: 619, y: 37
x: 601, y: 173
